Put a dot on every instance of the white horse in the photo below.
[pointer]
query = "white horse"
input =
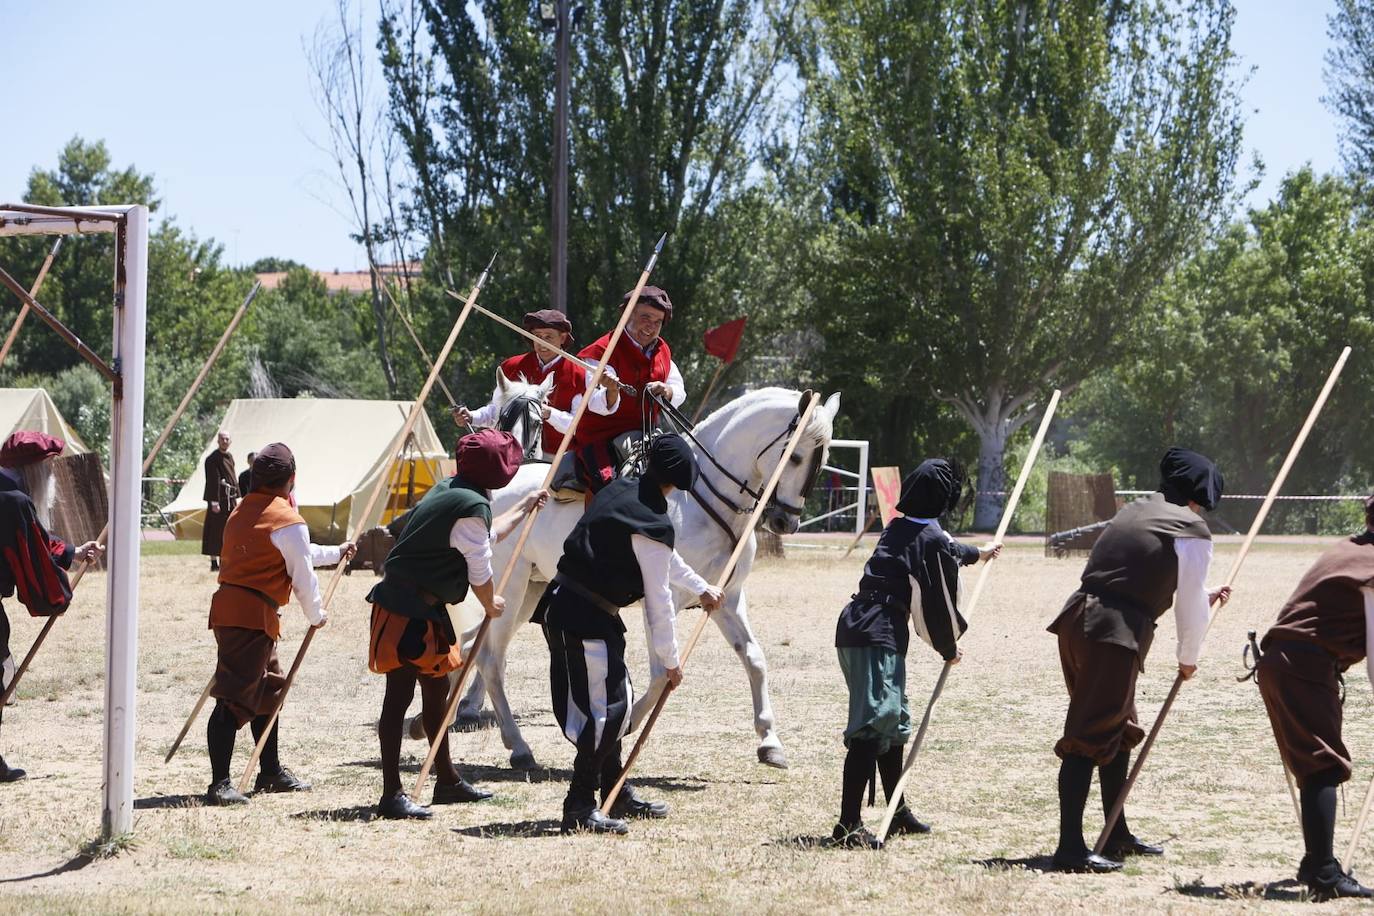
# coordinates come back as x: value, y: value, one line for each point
x: 746, y: 438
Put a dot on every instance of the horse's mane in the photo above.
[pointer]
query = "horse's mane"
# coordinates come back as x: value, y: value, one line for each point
x: 820, y: 427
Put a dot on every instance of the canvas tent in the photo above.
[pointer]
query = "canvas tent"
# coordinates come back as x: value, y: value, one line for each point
x: 31, y: 408
x: 341, y: 448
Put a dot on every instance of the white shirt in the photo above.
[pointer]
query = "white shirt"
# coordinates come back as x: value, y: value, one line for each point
x: 1190, y: 600
x: 470, y: 537
x: 661, y: 567
x: 301, y: 556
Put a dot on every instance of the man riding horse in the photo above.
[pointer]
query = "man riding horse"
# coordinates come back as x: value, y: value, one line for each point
x: 643, y: 361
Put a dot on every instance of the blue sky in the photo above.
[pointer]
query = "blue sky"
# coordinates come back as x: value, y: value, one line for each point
x: 215, y: 101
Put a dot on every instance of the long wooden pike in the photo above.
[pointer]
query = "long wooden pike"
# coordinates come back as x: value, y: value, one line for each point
x: 147, y: 463
x: 33, y: 293
x: 394, y: 456
x: 527, y: 525
x: 1287, y: 465
x: 895, y: 796
x: 722, y: 581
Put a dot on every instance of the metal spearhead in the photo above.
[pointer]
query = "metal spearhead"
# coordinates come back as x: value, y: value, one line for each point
x: 653, y: 258
x: 486, y: 271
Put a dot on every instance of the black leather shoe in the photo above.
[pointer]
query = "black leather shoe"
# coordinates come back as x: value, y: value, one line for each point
x: 399, y: 807
x: 1328, y: 881
x: 9, y: 773
x: 1089, y: 863
x: 858, y: 838
x: 458, y: 792
x: 628, y: 804
x: 591, y: 820
x: 281, y: 781
x: 223, y: 793
x: 906, y: 822
x: 1131, y: 846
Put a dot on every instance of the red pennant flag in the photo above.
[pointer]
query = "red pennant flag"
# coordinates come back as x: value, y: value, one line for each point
x: 723, y: 342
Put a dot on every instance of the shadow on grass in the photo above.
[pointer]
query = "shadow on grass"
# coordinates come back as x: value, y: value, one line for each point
x: 516, y: 830
x: 352, y: 814
x: 76, y: 863
x: 481, y: 774
x: 155, y: 802
x: 812, y: 842
x: 1029, y: 863
x: 1288, y: 889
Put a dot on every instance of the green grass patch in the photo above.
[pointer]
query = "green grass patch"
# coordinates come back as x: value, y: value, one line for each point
x: 170, y: 548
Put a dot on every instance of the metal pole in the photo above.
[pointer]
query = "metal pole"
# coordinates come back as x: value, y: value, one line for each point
x: 861, y: 514
x: 558, y: 277
x: 126, y: 460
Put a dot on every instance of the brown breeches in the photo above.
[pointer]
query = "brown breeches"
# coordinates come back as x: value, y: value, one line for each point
x: 1101, y: 721
x: 1303, y: 700
x: 247, y: 677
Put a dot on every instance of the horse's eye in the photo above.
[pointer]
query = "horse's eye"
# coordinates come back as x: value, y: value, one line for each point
x: 795, y: 459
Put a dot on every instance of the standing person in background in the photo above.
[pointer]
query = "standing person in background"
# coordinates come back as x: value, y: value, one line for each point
x: 246, y: 477
x: 221, y: 494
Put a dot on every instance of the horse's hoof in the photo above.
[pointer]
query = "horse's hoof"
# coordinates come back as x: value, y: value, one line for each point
x: 773, y: 757
x: 523, y: 761
x: 415, y: 729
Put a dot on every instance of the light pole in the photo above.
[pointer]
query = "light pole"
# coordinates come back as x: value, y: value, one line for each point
x: 560, y: 17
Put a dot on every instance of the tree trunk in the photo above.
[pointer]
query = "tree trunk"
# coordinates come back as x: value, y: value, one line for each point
x: 992, y: 475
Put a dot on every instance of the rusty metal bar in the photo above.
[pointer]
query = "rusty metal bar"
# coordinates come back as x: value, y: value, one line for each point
x: 76, y: 213
x: 62, y: 330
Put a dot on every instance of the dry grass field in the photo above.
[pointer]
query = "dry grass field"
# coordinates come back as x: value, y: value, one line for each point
x: 742, y: 838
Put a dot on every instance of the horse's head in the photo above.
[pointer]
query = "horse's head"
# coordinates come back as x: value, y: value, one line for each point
x: 521, y: 406
x: 783, y: 514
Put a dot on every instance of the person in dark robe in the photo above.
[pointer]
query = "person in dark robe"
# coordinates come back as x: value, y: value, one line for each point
x: 1323, y: 629
x: 913, y: 574
x: 246, y: 477
x: 442, y: 553
x: 1155, y: 553
x: 620, y: 552
x: 33, y: 563
x: 221, y: 495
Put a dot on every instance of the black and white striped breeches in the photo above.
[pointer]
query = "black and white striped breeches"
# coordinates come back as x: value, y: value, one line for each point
x: 592, y: 696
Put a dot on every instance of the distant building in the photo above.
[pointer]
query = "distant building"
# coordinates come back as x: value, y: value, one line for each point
x: 347, y: 281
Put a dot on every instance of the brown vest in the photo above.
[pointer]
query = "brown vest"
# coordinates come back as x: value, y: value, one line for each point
x: 1327, y: 607
x: 253, y: 581
x: 1133, y: 572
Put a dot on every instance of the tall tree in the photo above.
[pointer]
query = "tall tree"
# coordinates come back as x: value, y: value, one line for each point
x: 1007, y: 182
x: 670, y: 99
x: 1349, y: 75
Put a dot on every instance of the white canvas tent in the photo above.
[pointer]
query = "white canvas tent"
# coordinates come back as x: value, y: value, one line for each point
x: 341, y: 448
x: 31, y: 408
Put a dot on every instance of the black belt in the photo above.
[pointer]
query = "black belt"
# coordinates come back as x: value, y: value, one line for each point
x: 879, y: 598
x: 580, y: 590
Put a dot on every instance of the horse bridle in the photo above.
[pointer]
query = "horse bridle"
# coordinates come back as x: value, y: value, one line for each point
x: 531, y: 407
x: 685, y: 429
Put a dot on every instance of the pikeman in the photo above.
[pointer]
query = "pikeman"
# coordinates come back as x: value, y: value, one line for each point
x: 915, y: 561
x: 538, y: 364
x: 1155, y: 552
x: 267, y: 556
x: 642, y: 360
x: 32, y: 561
x: 221, y: 492
x: 620, y: 551
x: 444, y: 551
x: 1323, y: 629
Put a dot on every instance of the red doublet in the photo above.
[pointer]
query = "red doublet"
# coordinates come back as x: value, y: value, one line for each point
x: 632, y: 367
x: 570, y: 380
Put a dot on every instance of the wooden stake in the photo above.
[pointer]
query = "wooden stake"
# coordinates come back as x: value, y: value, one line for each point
x: 1287, y: 465
x: 895, y: 796
x: 33, y: 294
x: 181, y: 735
x: 705, y: 398
x: 451, y: 708
x: 397, y: 445
x: 721, y: 582
x: 147, y: 463
x: 860, y: 536
x: 1354, y: 846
